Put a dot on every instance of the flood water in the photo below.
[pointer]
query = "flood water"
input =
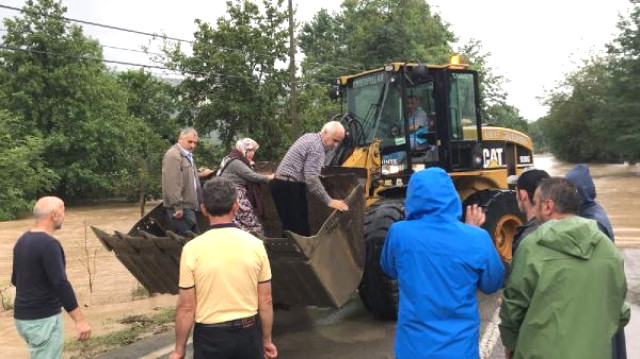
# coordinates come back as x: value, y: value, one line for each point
x: 618, y: 191
x: 617, y: 185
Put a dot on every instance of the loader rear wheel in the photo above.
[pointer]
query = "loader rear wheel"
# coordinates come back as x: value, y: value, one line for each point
x: 503, y: 217
x: 379, y: 293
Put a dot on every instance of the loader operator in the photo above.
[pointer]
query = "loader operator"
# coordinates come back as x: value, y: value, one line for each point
x: 299, y: 169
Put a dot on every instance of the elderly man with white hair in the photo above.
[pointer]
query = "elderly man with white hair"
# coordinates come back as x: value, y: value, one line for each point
x: 42, y: 286
x: 300, y: 168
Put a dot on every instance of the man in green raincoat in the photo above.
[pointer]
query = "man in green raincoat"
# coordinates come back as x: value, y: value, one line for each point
x: 565, y: 296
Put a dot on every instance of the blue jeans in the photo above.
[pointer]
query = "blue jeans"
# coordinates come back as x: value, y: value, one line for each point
x: 186, y: 223
x: 44, y: 336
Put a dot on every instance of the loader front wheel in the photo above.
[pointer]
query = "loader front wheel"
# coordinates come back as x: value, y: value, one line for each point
x: 379, y: 293
x: 502, y: 217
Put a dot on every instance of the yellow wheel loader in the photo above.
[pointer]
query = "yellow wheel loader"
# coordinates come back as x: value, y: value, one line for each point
x: 400, y: 118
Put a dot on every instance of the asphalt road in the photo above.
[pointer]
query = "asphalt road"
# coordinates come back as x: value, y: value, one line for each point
x: 351, y: 333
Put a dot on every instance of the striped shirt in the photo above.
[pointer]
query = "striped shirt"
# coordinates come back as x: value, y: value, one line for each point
x: 303, y: 163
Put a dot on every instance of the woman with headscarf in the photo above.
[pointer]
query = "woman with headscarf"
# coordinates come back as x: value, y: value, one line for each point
x: 237, y: 166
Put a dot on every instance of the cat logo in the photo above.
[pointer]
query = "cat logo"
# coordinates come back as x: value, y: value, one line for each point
x: 492, y: 157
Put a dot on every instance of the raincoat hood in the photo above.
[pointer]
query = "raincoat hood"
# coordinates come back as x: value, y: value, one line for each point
x: 573, y: 236
x: 581, y: 178
x: 589, y: 208
x: 431, y: 193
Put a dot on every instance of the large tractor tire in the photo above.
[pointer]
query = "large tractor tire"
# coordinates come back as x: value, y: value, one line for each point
x: 503, y: 217
x: 379, y: 293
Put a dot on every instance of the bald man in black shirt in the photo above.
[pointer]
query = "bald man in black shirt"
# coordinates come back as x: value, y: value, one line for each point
x: 42, y: 286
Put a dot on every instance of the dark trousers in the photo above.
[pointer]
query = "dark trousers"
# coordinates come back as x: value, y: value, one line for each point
x: 290, y: 199
x: 227, y: 343
x: 619, y: 345
x: 187, y: 222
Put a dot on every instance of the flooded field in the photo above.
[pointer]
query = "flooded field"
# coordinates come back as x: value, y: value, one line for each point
x: 114, y: 288
x: 618, y: 191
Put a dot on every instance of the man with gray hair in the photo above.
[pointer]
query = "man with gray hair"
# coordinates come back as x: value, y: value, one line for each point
x: 42, y: 286
x: 181, y: 192
x: 300, y: 168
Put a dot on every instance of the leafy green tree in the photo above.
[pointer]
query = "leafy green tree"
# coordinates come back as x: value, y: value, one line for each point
x: 53, y: 78
x: 538, y: 136
x: 622, y: 122
x: 153, y: 100
x: 369, y: 33
x: 233, y: 84
x: 504, y: 115
x: 577, y: 125
x: 492, y: 94
x: 23, y: 173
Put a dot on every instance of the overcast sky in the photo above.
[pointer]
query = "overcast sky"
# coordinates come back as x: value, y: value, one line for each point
x: 532, y: 43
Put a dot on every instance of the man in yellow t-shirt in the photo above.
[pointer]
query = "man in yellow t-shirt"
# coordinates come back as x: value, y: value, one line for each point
x: 225, y: 283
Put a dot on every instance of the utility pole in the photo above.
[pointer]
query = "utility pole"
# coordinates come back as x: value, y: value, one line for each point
x: 292, y: 74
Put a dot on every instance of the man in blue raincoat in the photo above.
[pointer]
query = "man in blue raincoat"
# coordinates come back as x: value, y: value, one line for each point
x: 439, y: 263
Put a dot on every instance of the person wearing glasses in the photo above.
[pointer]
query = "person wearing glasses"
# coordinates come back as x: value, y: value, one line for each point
x: 181, y: 192
x: 300, y: 169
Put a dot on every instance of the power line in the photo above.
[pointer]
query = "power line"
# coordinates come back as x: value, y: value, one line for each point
x: 191, y: 42
x: 126, y: 63
x: 112, y: 27
x: 92, y: 58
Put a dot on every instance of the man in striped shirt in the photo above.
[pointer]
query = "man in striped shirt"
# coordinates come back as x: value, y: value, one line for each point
x: 300, y: 168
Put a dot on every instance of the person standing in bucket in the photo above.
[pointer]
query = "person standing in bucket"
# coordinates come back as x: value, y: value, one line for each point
x: 300, y: 169
x: 224, y: 286
x: 181, y: 191
x: 440, y: 263
x: 237, y: 167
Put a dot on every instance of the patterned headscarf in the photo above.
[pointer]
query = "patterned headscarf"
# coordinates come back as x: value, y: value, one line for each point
x: 245, y: 145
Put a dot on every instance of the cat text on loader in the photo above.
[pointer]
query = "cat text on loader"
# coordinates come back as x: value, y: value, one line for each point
x: 400, y: 118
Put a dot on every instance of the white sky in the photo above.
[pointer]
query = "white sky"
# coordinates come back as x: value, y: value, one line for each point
x: 532, y: 43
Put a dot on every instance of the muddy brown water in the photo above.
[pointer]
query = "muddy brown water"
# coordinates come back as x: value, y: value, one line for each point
x: 111, y: 298
x: 618, y: 191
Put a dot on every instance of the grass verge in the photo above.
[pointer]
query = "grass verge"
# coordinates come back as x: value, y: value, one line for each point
x: 136, y: 327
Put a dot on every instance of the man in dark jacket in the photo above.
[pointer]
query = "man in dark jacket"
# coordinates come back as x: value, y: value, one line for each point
x: 526, y: 186
x: 439, y: 263
x: 591, y: 209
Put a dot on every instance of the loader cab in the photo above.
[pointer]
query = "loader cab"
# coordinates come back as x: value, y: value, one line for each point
x: 424, y: 116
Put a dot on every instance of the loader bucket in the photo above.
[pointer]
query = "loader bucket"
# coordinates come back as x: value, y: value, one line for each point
x: 320, y: 270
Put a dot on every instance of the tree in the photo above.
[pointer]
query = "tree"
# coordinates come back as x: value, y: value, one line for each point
x: 23, y: 173
x: 577, y: 125
x: 538, y: 136
x: 53, y: 78
x: 233, y: 84
x: 153, y: 100
x: 370, y: 33
x: 504, y: 115
x: 492, y: 95
x: 623, y: 93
